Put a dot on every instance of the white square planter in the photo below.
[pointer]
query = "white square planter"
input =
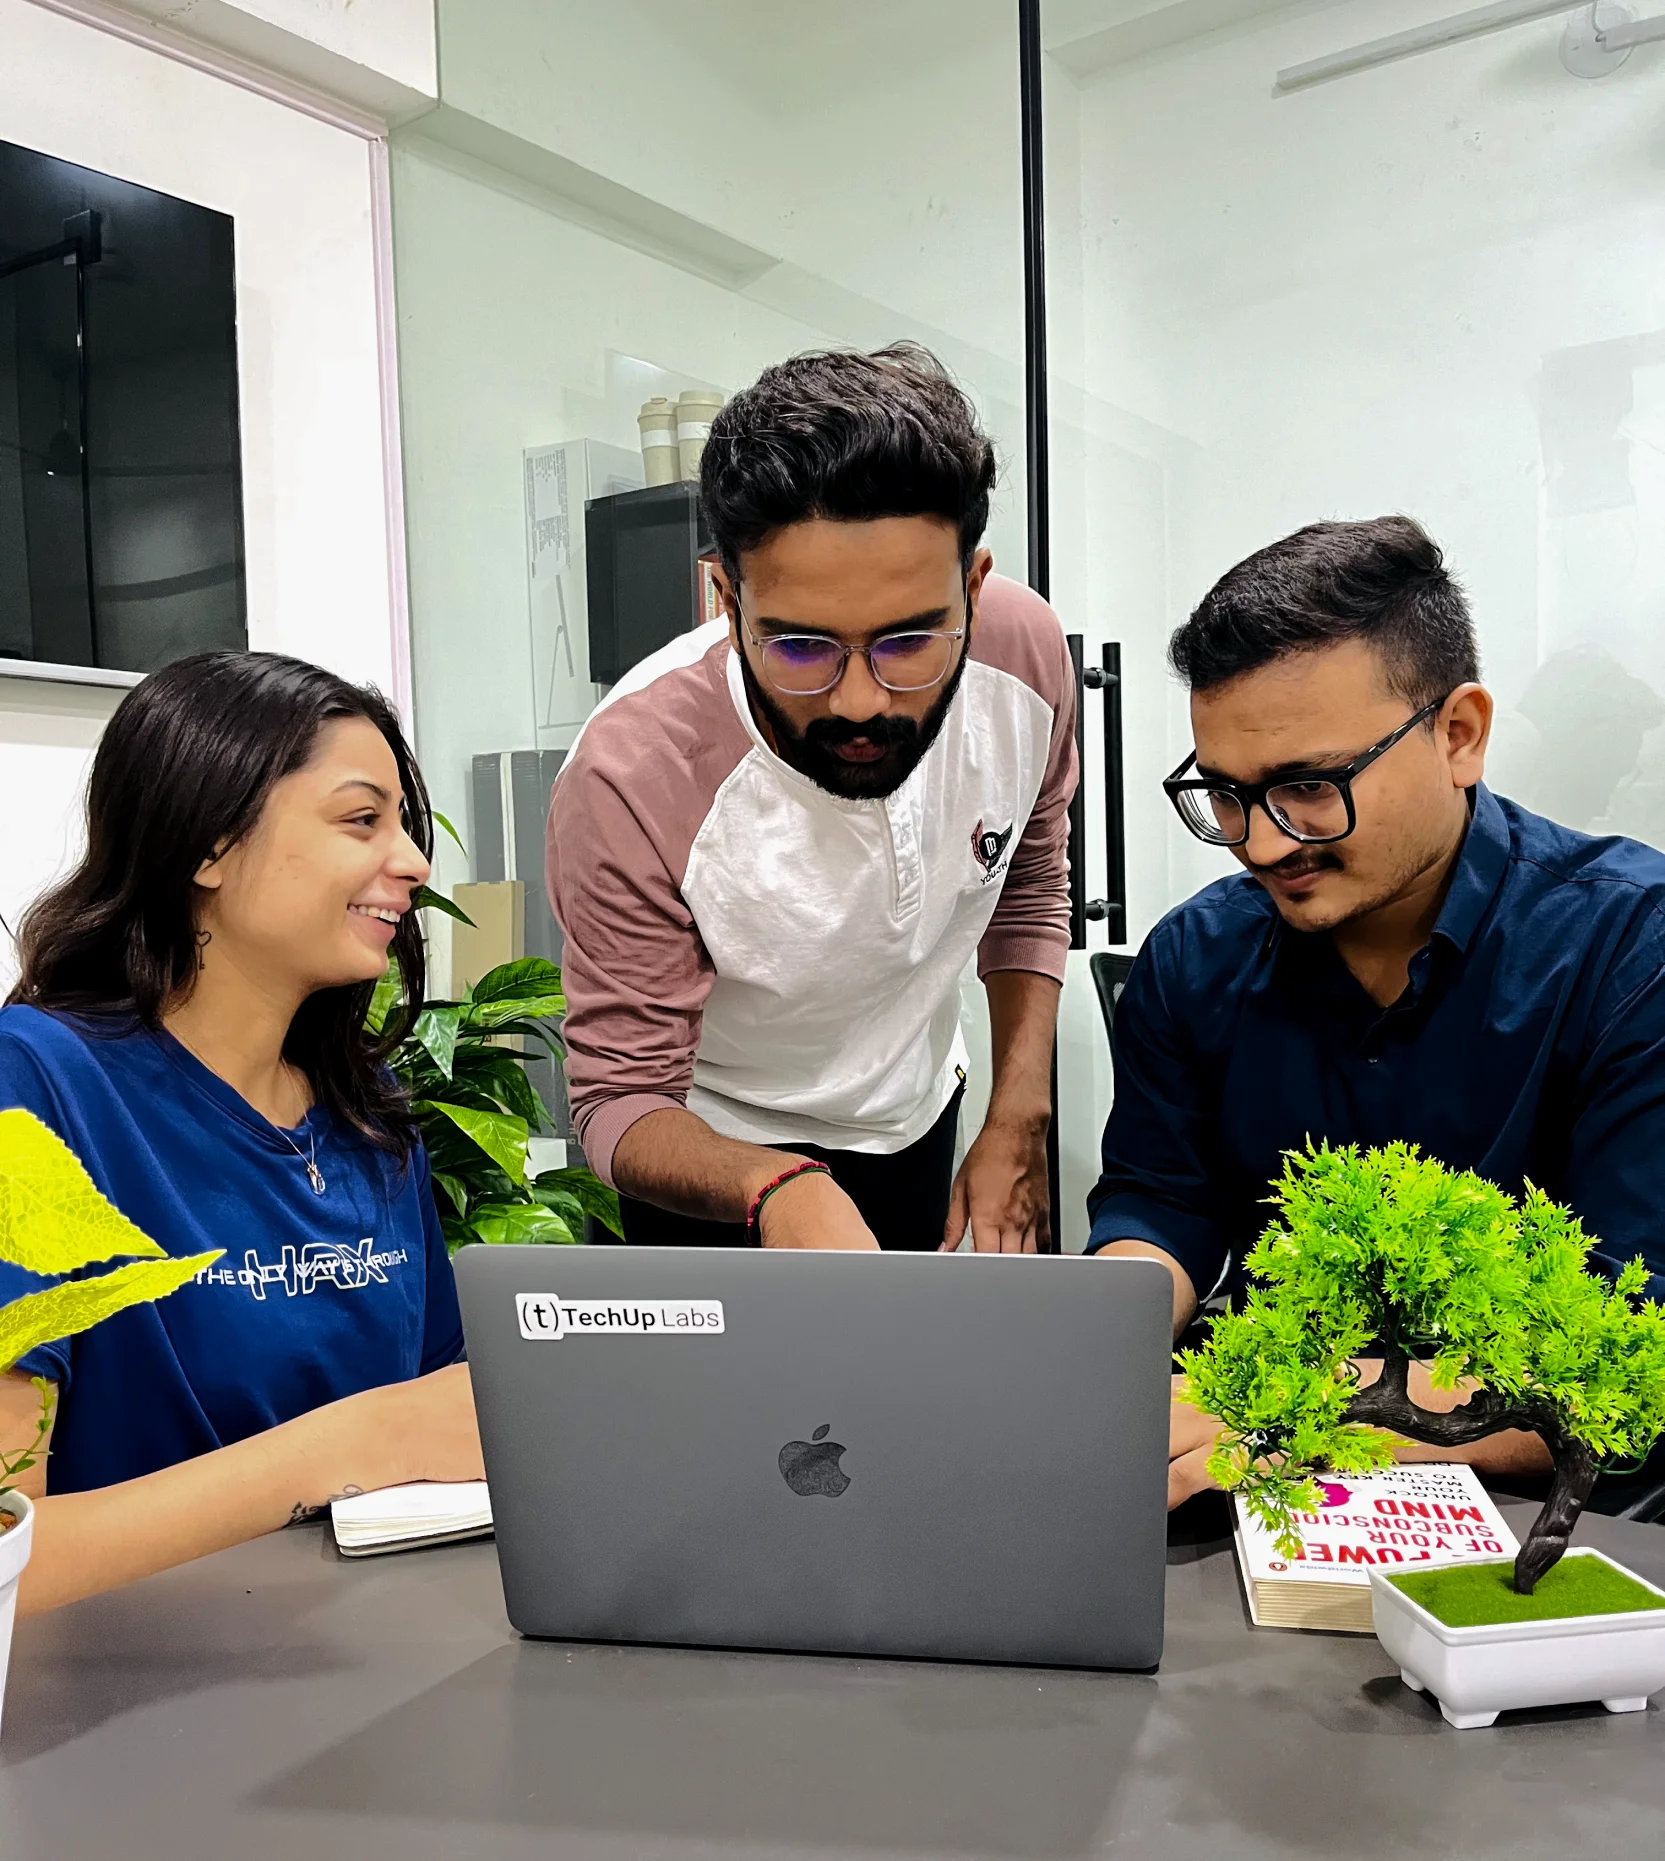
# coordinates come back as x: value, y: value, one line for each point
x: 14, y: 1554
x: 1476, y: 1673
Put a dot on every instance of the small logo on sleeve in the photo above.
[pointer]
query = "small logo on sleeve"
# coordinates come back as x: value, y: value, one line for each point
x: 988, y: 848
x: 542, y: 1315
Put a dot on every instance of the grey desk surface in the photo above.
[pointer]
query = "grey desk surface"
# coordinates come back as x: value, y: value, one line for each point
x: 277, y: 1702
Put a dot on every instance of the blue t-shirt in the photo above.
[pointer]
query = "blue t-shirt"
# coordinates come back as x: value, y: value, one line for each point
x: 316, y: 1297
x: 1529, y: 1045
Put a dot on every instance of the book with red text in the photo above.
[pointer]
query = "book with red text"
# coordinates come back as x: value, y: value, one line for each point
x: 1397, y: 1519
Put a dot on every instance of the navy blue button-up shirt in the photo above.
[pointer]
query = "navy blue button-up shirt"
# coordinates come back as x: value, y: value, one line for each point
x: 1529, y: 1045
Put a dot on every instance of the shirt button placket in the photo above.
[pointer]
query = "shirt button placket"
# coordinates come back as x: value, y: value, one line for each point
x: 904, y: 841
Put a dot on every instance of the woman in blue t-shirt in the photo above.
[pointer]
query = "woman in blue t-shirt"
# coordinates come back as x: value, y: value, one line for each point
x: 190, y: 1019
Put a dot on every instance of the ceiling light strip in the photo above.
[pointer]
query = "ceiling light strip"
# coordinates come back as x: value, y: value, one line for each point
x: 1429, y: 38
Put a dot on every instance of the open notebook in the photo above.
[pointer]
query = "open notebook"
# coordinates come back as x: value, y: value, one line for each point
x: 400, y: 1517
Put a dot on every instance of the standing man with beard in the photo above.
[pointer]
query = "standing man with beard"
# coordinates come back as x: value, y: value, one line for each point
x: 778, y: 842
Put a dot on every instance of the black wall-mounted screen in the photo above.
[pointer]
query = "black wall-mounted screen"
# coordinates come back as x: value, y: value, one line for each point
x: 121, y: 502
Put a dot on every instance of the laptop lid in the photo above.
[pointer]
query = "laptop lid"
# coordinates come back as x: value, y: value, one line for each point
x: 953, y: 1457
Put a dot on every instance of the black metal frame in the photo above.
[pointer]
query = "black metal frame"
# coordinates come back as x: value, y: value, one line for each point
x: 1034, y: 295
x: 1035, y: 404
x: 1110, y: 910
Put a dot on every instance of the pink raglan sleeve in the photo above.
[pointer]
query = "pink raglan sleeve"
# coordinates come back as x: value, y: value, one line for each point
x: 1030, y: 928
x: 621, y: 821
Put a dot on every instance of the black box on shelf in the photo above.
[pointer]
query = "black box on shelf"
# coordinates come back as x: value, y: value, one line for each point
x: 642, y: 552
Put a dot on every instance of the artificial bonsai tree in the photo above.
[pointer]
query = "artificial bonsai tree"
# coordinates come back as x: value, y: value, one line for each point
x: 54, y: 1221
x: 1388, y: 1248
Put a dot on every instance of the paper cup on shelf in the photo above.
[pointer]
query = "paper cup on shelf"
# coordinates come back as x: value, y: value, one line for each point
x: 695, y: 410
x: 657, y: 423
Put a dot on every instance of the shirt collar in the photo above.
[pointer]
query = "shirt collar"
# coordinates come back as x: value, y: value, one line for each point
x: 1474, y: 882
x: 1478, y: 872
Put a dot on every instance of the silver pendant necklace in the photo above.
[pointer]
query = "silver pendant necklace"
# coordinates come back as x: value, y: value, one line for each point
x: 309, y: 1156
x: 314, y: 1175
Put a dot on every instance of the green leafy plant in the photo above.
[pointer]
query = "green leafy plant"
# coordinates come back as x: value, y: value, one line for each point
x: 1390, y: 1248
x: 464, y: 1067
x: 53, y: 1221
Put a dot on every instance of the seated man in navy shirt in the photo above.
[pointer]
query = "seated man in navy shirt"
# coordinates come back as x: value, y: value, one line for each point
x: 1405, y: 954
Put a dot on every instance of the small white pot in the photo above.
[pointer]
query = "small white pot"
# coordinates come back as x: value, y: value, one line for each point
x: 1476, y: 1673
x: 14, y: 1554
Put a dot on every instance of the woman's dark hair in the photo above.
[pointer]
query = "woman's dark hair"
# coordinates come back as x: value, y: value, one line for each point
x: 182, y: 771
x: 849, y: 437
x: 1383, y: 581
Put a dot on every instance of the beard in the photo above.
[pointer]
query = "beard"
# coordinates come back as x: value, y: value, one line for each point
x: 812, y: 751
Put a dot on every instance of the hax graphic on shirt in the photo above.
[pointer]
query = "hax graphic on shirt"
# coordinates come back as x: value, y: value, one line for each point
x: 299, y: 1271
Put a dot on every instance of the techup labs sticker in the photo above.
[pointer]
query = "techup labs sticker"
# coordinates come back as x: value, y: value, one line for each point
x: 543, y: 1315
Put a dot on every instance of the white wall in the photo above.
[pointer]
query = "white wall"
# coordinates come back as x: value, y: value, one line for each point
x: 381, y: 56
x: 393, y: 37
x: 313, y: 480
x: 47, y: 736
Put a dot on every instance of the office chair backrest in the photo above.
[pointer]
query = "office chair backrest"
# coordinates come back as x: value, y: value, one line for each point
x: 1110, y: 973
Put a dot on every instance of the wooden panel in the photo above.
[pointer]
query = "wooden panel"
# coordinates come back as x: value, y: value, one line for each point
x: 498, y: 909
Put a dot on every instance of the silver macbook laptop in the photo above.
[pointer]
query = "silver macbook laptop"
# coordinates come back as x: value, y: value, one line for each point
x: 956, y: 1457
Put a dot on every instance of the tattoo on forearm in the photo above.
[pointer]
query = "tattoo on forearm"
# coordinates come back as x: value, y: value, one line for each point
x: 303, y: 1511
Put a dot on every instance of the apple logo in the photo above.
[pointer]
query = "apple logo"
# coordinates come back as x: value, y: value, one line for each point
x: 811, y: 1467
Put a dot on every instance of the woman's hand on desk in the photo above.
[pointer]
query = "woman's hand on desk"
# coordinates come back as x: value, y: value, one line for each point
x: 421, y: 1430
x: 87, y: 1542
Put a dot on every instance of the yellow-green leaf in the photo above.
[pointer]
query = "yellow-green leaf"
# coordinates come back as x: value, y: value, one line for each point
x: 52, y: 1217
x: 79, y: 1304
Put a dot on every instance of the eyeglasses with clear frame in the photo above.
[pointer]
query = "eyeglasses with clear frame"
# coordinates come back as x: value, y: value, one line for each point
x: 803, y: 665
x: 1309, y: 805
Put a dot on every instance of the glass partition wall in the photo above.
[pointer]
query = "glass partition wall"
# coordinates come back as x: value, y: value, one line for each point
x: 647, y: 201
x: 1430, y: 285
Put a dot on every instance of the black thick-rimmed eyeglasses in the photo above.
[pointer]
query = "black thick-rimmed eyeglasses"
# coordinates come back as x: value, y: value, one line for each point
x: 803, y: 665
x: 1310, y: 805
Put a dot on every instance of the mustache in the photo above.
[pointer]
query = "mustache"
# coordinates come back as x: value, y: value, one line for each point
x: 1297, y: 865
x: 885, y: 733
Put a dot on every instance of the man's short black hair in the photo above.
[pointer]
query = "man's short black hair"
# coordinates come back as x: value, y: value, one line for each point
x: 1383, y: 581
x: 851, y: 437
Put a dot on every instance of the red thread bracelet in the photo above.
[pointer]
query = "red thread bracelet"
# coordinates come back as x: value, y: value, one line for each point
x: 754, y: 1213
